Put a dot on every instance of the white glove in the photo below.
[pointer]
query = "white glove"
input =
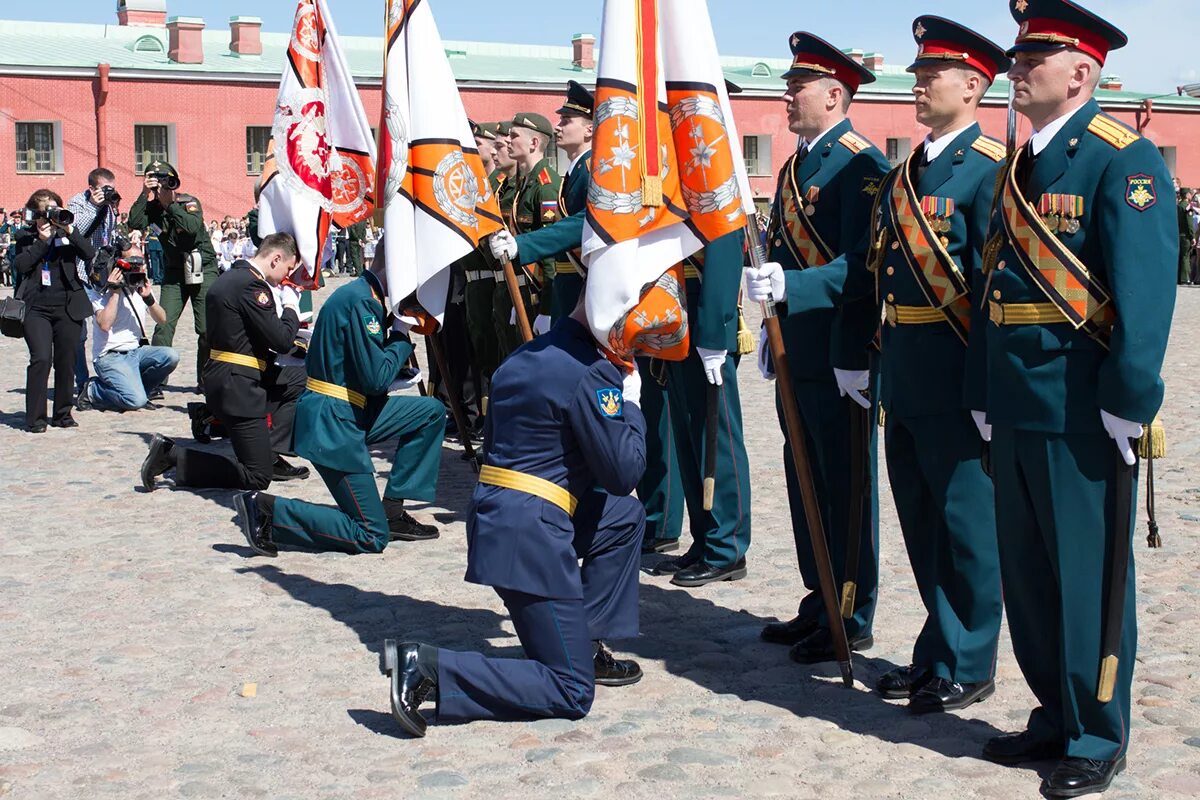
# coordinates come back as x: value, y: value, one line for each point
x: 512, y: 316
x: 1123, y: 433
x: 766, y: 284
x: 503, y: 244
x: 985, y: 427
x: 714, y: 361
x: 764, y: 355
x: 289, y: 297
x: 541, y: 324
x: 631, y: 388
x: 852, y: 383
x: 304, y: 335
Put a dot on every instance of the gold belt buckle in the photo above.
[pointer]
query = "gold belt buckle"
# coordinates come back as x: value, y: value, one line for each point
x: 995, y: 313
x: 890, y: 313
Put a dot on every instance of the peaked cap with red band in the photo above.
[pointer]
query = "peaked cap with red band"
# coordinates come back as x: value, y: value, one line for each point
x: 1057, y: 24
x: 941, y: 41
x: 812, y: 55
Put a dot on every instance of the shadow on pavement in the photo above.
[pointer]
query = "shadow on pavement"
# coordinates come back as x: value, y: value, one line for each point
x: 730, y: 658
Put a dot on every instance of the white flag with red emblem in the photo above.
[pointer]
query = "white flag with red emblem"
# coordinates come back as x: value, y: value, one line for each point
x: 664, y: 182
x: 436, y: 197
x: 321, y: 166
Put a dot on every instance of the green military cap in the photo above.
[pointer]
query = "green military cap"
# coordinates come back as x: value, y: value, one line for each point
x: 580, y: 102
x: 503, y: 129
x: 534, y: 122
x: 488, y: 130
x: 162, y: 167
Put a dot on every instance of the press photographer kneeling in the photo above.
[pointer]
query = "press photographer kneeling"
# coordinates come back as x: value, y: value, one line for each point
x: 128, y: 368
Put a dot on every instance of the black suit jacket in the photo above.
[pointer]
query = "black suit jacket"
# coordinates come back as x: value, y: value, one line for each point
x: 32, y: 253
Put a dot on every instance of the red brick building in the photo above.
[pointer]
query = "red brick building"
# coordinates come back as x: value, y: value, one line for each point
x: 75, y: 96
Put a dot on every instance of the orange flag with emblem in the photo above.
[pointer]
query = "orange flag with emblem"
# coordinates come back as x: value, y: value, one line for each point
x: 437, y: 201
x: 667, y: 174
x: 320, y: 168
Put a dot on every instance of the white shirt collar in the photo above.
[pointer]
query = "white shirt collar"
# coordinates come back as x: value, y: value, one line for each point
x: 813, y: 144
x: 576, y: 160
x: 1042, y: 138
x: 935, y: 147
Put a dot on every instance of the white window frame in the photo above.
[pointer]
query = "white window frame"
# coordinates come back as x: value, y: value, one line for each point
x: 760, y: 165
x: 171, y: 151
x: 56, y: 154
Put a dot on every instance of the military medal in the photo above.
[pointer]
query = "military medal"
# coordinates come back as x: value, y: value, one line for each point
x: 810, y: 200
x: 1075, y: 204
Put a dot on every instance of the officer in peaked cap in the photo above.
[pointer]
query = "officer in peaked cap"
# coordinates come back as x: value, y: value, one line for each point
x: 184, y: 240
x: 561, y: 240
x: 820, y: 218
x: 1068, y: 380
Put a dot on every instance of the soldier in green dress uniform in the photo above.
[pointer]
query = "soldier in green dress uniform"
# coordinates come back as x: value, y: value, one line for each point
x: 352, y: 361
x: 1080, y: 292
x: 481, y: 280
x: 184, y: 239
x: 505, y: 178
x: 561, y: 240
x: 821, y: 218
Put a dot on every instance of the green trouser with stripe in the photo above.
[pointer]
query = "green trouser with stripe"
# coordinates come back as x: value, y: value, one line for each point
x: 477, y: 298
x: 359, y: 524
x: 508, y: 336
x: 661, y: 488
x: 1055, y: 498
x: 946, y: 505
x: 720, y: 536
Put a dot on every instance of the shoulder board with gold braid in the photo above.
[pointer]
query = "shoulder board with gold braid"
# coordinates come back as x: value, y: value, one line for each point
x: 989, y: 147
x: 1116, y: 134
x: 853, y: 142
x: 544, y: 176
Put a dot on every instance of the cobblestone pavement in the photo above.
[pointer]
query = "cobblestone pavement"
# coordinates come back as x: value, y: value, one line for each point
x: 134, y: 625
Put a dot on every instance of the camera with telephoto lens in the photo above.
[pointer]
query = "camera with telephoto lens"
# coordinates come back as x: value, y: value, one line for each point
x: 111, y: 196
x: 52, y: 214
x: 165, y: 179
x: 109, y: 257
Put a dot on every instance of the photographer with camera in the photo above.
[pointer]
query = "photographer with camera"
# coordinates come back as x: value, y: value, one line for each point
x: 190, y: 263
x: 128, y: 368
x: 56, y: 305
x: 95, y: 209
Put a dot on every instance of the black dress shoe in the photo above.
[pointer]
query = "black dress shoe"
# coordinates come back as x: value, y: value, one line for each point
x: 158, y: 460
x: 702, y: 572
x: 283, y: 471
x: 82, y: 401
x: 1019, y: 748
x: 157, y: 394
x: 672, y: 565
x: 1076, y: 776
x: 939, y: 694
x: 788, y: 632
x: 818, y: 647
x: 37, y: 427
x: 613, y: 671
x: 255, y: 524
x: 903, y: 682
x: 65, y: 422
x: 151, y: 406
x: 406, y: 529
x: 411, y: 685
x: 659, y: 546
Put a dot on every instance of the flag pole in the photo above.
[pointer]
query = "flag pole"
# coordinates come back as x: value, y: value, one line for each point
x: 514, y: 292
x: 803, y: 468
x: 456, y: 409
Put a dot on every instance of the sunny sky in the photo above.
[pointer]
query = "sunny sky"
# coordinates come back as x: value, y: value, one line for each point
x: 1161, y: 54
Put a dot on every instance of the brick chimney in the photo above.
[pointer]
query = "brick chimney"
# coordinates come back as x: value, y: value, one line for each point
x: 873, y: 61
x: 185, y: 40
x: 1112, y: 83
x: 857, y: 55
x: 142, y: 13
x: 583, y: 46
x: 244, y: 39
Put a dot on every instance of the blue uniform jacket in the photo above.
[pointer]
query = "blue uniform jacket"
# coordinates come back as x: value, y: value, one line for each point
x: 556, y: 413
x: 347, y: 349
x: 1051, y: 377
x: 847, y: 179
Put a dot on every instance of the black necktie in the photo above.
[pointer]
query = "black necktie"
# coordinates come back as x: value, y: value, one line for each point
x: 803, y: 153
x: 924, y: 165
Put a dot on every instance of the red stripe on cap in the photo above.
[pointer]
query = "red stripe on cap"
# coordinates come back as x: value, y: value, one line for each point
x: 973, y: 58
x: 1089, y: 41
x: 840, y: 69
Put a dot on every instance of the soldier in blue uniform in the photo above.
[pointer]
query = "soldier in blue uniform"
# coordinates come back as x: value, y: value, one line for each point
x: 928, y: 235
x: 346, y: 408
x: 1080, y: 292
x: 564, y: 445
x: 561, y: 240
x: 821, y: 219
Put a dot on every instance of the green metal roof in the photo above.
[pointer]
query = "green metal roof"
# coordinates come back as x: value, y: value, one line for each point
x: 30, y: 47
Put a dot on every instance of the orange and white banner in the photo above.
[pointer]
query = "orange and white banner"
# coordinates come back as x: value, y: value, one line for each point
x: 667, y: 171
x: 437, y: 200
x: 321, y: 163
